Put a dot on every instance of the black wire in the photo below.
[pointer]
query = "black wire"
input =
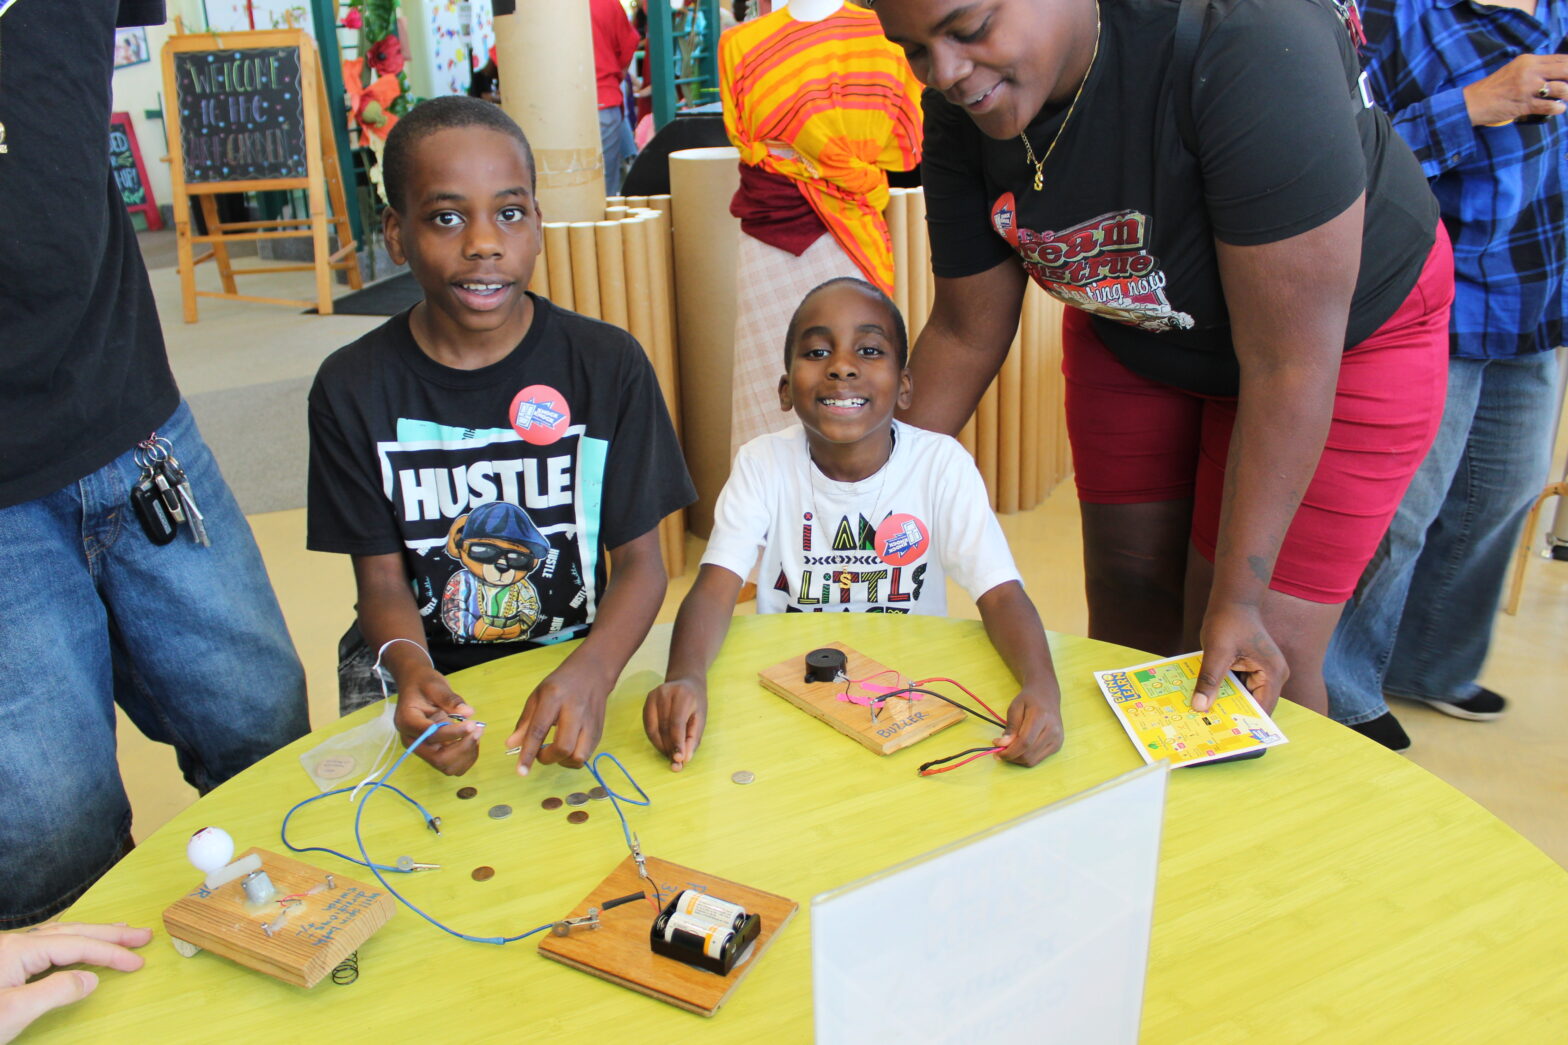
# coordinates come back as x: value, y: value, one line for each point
x: 950, y: 700
x: 953, y: 758
x: 628, y: 898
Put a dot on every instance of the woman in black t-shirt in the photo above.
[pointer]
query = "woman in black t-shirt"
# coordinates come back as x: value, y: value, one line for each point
x: 1256, y: 272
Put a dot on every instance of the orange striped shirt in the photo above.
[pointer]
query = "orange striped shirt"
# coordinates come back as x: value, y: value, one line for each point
x: 831, y: 105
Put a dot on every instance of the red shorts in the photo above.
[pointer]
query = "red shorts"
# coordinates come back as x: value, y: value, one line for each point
x: 1135, y: 440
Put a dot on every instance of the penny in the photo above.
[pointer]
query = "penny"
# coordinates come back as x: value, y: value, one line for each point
x: 500, y: 812
x: 577, y: 816
x: 483, y: 874
x: 577, y: 798
x: 597, y: 793
x: 467, y: 792
x: 744, y: 776
x: 550, y: 803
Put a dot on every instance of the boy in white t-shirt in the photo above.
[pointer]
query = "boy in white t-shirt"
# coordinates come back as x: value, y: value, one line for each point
x: 852, y: 510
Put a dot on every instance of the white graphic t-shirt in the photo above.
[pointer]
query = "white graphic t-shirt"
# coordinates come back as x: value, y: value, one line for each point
x: 885, y: 544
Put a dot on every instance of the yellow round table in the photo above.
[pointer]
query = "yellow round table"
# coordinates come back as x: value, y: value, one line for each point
x: 1330, y: 891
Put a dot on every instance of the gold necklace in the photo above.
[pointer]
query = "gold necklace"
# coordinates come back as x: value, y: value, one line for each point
x: 1039, y: 165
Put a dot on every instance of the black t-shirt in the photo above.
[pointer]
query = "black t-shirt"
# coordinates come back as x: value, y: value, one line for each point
x: 503, y: 487
x: 1125, y: 224
x: 83, y: 372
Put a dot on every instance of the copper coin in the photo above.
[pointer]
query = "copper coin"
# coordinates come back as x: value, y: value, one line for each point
x: 550, y: 803
x: 577, y: 816
x: 467, y: 792
x: 598, y: 793
x: 483, y: 874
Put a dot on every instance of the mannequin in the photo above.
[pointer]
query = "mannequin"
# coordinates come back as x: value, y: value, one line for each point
x: 812, y: 10
x: 813, y: 173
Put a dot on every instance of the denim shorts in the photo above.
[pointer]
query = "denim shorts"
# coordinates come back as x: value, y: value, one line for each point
x: 188, y: 640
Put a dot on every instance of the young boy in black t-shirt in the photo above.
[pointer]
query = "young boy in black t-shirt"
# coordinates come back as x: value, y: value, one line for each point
x: 482, y: 454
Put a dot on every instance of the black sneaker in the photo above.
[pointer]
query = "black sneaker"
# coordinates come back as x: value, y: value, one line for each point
x: 1483, y: 707
x: 1386, y: 730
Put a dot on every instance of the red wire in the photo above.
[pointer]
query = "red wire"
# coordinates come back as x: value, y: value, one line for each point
x: 967, y: 692
x: 954, y: 765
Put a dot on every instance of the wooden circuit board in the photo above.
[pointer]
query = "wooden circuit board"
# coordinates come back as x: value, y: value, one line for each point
x: 321, y: 930
x: 899, y: 724
x: 618, y: 951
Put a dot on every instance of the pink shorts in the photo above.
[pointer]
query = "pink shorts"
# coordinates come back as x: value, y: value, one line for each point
x: 1135, y: 440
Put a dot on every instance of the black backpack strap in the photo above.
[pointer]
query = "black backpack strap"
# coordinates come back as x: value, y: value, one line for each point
x: 1190, y: 21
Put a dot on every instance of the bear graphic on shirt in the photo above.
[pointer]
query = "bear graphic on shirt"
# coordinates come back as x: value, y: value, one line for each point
x: 490, y: 598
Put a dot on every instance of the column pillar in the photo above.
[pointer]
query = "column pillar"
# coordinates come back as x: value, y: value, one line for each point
x: 545, y: 54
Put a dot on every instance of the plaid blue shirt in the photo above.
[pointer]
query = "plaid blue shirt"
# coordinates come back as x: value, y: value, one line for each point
x: 1500, y: 188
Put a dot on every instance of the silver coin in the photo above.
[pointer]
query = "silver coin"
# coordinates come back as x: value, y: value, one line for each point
x: 500, y: 812
x: 597, y: 793
x: 744, y: 776
x: 577, y: 798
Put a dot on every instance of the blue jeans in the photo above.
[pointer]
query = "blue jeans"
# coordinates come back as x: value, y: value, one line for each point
x: 188, y: 640
x: 615, y: 138
x: 1421, y: 620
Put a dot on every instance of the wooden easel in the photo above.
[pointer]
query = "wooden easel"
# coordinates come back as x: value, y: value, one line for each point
x: 321, y: 180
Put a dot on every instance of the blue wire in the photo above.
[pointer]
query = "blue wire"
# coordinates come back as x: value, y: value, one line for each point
x: 359, y: 811
x: 615, y: 798
x: 333, y: 852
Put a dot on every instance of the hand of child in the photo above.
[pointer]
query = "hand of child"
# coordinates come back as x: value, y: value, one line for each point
x: 673, y: 717
x: 1034, y: 728
x: 25, y: 954
x: 425, y: 699
x: 571, y: 699
x: 1235, y: 639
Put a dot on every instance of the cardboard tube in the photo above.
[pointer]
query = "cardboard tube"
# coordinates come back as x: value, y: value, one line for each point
x: 558, y: 256
x: 702, y: 181
x: 985, y: 438
x: 660, y: 267
x: 897, y: 216
x: 612, y: 273
x: 585, y: 268
x: 635, y: 201
x: 539, y: 283
x: 1030, y: 449
x: 919, y: 263
x: 543, y: 46
x: 1010, y: 425
x: 640, y: 288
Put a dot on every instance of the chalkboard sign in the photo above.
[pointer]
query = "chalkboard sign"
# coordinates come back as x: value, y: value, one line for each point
x: 253, y: 116
x: 125, y: 161
x: 242, y: 114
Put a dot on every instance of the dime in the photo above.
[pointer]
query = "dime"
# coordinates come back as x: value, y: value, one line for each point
x: 550, y: 803
x: 483, y: 874
x: 500, y: 812
x: 597, y: 792
x: 577, y: 798
x: 467, y: 792
x: 744, y: 776
x: 577, y: 816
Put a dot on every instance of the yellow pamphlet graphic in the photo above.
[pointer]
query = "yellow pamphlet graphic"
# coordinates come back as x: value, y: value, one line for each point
x: 1153, y: 701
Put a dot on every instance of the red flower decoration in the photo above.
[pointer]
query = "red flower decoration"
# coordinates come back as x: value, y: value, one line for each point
x: 352, y: 19
x: 386, y: 56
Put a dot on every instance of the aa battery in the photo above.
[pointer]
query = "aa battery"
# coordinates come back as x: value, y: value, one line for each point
x: 697, y: 934
x: 707, y: 908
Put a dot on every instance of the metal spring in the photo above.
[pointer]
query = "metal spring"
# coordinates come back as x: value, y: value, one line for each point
x: 347, y: 971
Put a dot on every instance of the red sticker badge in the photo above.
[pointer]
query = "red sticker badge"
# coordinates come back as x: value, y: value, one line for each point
x: 901, y: 539
x: 540, y: 415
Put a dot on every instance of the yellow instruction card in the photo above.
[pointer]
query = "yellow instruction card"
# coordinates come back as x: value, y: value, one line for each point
x: 1153, y: 702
